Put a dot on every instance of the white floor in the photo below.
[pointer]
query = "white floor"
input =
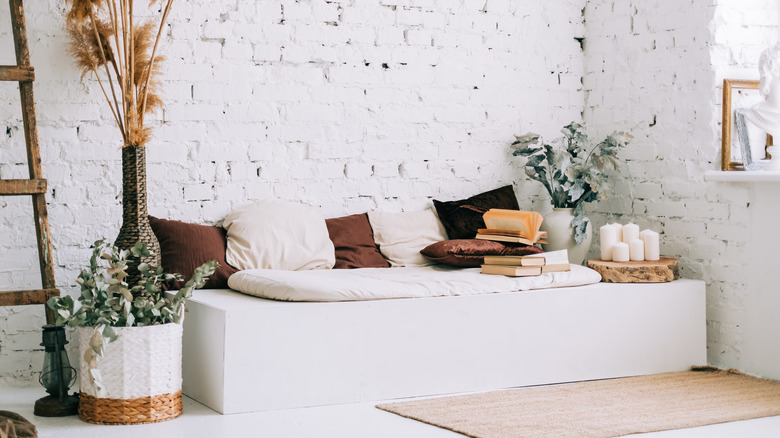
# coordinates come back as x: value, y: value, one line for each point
x: 342, y: 421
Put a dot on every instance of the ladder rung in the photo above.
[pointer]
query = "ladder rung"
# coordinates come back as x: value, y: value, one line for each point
x: 18, y: 73
x: 20, y: 187
x: 23, y: 297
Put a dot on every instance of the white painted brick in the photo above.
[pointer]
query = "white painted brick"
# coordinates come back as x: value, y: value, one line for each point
x: 390, y: 36
x: 359, y: 170
x: 198, y: 192
x: 409, y: 17
x: 217, y: 30
x: 419, y: 37
x: 386, y: 169
x: 414, y: 169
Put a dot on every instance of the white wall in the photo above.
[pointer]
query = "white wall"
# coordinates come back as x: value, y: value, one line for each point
x: 656, y: 69
x: 744, y: 33
x: 352, y: 105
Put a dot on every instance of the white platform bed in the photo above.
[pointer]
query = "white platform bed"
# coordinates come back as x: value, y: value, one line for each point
x: 245, y: 354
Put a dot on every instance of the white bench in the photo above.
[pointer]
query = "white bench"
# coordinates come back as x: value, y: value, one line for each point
x: 245, y: 354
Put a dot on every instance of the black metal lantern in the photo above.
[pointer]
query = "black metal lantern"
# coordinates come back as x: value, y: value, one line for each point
x: 56, y: 376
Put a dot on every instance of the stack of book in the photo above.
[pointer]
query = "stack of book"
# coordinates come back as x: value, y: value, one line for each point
x: 527, y: 266
x: 512, y: 226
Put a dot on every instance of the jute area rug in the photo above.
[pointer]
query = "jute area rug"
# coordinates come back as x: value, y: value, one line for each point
x: 602, y: 408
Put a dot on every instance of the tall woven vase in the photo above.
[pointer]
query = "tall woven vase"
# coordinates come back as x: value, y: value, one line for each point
x: 139, y: 373
x: 135, y: 217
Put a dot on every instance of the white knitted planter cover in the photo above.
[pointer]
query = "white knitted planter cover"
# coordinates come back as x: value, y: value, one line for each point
x: 142, y: 362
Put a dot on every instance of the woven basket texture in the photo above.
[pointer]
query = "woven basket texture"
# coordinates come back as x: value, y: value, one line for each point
x: 142, y: 362
x: 135, y: 218
x: 133, y: 411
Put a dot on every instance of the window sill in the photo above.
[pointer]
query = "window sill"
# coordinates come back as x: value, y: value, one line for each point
x: 742, y: 176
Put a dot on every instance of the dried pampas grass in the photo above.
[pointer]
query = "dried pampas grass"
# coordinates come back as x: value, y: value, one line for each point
x: 106, y: 41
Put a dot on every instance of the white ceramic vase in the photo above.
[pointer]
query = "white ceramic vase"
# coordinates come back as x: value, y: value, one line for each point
x: 560, y: 235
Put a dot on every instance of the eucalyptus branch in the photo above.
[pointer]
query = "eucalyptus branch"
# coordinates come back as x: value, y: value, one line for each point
x: 574, y: 176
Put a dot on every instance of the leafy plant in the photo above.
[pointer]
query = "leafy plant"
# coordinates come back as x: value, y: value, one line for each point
x: 107, y: 301
x: 571, y: 169
x: 117, y: 43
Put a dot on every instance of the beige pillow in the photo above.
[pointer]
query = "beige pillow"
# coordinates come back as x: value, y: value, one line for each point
x: 401, y: 236
x: 278, y: 235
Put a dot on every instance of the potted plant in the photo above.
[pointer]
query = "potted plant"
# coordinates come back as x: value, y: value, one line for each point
x: 573, y: 171
x: 116, y: 42
x: 129, y: 336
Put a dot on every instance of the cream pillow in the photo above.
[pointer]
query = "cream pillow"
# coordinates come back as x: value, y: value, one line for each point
x: 278, y: 235
x: 401, y: 236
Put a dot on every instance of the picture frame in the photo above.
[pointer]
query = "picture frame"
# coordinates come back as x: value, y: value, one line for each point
x: 738, y: 96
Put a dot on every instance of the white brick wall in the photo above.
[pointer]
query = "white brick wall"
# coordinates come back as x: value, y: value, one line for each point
x: 357, y: 105
x: 351, y: 105
x: 656, y: 69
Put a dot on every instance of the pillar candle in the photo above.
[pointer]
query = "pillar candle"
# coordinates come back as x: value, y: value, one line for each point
x: 630, y: 232
x: 609, y: 237
x: 620, y: 252
x: 642, y: 234
x: 652, y: 246
x: 619, y: 229
x: 636, y: 250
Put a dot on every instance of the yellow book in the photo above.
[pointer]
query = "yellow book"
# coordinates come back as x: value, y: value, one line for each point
x: 512, y: 271
x: 565, y: 267
x: 512, y: 223
x: 524, y: 271
x: 510, y: 239
x: 514, y: 260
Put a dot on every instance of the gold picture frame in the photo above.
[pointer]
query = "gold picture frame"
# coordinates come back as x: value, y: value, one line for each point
x: 730, y: 86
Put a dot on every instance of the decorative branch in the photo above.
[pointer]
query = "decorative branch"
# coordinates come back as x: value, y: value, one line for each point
x: 107, y: 33
x: 152, y: 58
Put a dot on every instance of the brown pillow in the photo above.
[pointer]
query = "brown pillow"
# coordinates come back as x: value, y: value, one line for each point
x: 462, y: 219
x: 354, y: 241
x: 185, y: 246
x: 469, y: 253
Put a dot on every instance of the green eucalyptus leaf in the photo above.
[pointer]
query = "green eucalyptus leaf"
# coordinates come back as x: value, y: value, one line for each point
x: 107, y: 301
x: 571, y: 170
x: 579, y: 223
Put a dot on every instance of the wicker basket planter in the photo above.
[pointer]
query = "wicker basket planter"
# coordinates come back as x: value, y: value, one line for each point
x: 140, y: 375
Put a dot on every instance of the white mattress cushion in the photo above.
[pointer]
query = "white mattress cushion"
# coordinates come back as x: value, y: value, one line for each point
x: 401, y: 236
x: 407, y: 282
x: 278, y: 235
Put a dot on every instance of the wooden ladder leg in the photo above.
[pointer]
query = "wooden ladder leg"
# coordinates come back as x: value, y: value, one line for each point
x: 40, y: 213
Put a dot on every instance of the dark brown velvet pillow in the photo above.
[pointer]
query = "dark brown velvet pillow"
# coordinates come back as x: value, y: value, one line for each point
x: 462, y: 219
x: 185, y: 246
x: 470, y: 253
x: 354, y: 241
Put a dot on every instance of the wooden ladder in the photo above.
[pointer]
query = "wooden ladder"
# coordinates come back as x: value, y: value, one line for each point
x: 35, y: 186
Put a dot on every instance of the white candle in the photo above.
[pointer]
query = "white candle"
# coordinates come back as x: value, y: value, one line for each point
x: 636, y: 250
x: 619, y: 229
x: 652, y: 246
x: 642, y: 234
x: 608, y: 236
x: 620, y: 252
x: 630, y: 232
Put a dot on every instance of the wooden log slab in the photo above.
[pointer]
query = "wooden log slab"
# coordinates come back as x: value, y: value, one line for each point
x: 660, y: 271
